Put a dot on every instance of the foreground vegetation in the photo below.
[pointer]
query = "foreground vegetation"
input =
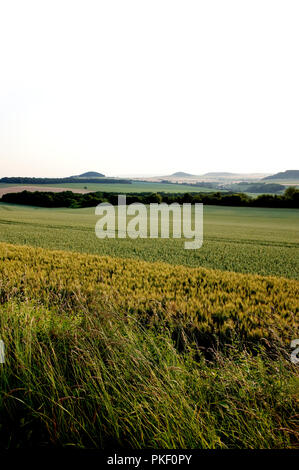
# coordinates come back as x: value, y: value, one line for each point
x: 100, y: 380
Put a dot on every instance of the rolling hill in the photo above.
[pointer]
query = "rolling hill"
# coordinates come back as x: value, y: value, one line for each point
x: 284, y: 175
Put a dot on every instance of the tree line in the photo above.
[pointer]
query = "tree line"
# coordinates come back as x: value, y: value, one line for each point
x: 289, y: 199
x: 32, y: 180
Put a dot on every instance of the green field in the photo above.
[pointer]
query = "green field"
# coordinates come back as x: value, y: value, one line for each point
x: 136, y: 186
x: 249, y: 240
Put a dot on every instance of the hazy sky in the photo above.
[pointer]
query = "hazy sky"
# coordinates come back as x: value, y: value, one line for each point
x: 153, y: 87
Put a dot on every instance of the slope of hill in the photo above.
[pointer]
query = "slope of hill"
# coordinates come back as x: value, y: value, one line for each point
x: 284, y: 175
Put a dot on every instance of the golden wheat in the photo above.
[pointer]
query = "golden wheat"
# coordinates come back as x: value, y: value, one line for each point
x: 208, y: 302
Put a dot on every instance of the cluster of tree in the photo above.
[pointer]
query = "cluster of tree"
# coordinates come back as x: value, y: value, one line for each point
x: 265, y: 188
x: 290, y: 199
x: 71, y: 179
x: 202, y: 184
x: 257, y: 187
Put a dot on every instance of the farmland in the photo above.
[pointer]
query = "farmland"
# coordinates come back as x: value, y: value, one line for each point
x: 5, y: 189
x: 107, y: 352
x: 209, y: 301
x: 139, y: 186
x: 266, y: 241
x: 143, y: 344
x: 136, y: 186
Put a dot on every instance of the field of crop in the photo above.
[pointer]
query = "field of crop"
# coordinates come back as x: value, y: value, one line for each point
x: 5, y: 189
x: 105, y: 352
x: 145, y: 346
x: 140, y: 186
x: 210, y: 302
x: 247, y: 240
x: 294, y: 182
x: 136, y: 186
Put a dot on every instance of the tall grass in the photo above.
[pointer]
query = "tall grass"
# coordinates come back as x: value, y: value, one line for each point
x: 98, y: 379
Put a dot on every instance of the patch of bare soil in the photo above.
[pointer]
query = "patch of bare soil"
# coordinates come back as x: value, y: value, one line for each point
x: 19, y: 189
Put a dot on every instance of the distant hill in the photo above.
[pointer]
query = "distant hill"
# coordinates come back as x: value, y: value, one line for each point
x: 89, y: 174
x: 181, y: 174
x: 284, y: 175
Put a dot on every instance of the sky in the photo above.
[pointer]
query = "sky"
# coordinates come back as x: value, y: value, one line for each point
x: 148, y: 87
